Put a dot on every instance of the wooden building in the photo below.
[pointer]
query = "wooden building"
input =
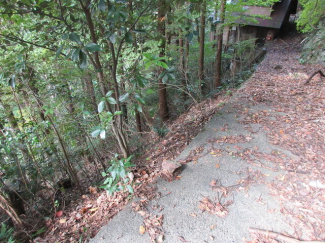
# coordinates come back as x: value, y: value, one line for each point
x: 277, y: 15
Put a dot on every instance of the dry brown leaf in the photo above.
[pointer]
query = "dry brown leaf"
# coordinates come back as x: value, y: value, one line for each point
x: 142, y: 229
x: 92, y: 190
x: 213, y: 183
x: 182, y: 239
x: 62, y: 221
x: 142, y: 213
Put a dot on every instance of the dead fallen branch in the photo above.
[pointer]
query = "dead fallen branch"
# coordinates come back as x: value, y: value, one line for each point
x: 321, y: 74
x: 277, y: 236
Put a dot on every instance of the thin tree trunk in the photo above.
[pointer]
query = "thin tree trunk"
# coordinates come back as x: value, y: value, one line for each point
x: 213, y: 32
x: 201, y: 47
x: 187, y: 60
x: 90, y: 92
x: 69, y: 165
x: 162, y: 93
x: 217, y: 78
x: 117, y: 122
x: 138, y: 121
x: 182, y: 64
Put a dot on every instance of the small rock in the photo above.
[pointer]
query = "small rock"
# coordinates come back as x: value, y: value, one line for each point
x: 169, y: 169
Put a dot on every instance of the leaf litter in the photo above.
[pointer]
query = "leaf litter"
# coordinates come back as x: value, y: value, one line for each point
x: 295, y: 122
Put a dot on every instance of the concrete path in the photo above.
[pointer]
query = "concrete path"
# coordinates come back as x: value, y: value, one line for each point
x: 245, y: 182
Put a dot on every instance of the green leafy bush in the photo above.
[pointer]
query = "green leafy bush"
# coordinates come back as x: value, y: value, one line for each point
x: 118, y: 175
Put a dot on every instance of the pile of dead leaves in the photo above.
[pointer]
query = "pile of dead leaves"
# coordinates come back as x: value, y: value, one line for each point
x: 207, y: 205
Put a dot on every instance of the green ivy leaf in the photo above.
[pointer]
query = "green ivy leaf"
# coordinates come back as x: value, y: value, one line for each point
x: 102, y: 134
x: 138, y: 98
x: 112, y: 38
x: 139, y: 108
x: 75, y: 38
x: 171, y: 70
x: 165, y: 78
x: 111, y: 100
x: 12, y: 81
x: 124, y: 97
x: 101, y: 106
x: 129, y: 37
x: 147, y: 55
x: 109, y: 93
x: 189, y: 36
x: 95, y: 133
x: 171, y: 76
x: 76, y: 55
x: 113, y: 174
x: 102, y: 5
x: 92, y: 47
x: 150, y: 91
x: 162, y: 64
x: 147, y: 64
x: 141, y: 80
x: 65, y: 36
x: 83, y: 60
x: 58, y: 52
x: 123, y: 15
x: 117, y: 113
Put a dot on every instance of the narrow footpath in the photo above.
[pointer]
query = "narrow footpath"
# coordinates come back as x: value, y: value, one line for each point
x: 258, y: 164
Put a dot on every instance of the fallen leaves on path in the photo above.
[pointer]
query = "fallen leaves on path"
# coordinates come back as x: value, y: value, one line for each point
x: 292, y: 115
x: 213, y: 207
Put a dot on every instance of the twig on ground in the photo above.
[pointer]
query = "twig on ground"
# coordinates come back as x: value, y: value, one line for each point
x: 277, y: 236
x: 321, y: 74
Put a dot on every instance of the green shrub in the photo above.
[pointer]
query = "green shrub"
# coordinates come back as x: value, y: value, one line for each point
x: 117, y: 178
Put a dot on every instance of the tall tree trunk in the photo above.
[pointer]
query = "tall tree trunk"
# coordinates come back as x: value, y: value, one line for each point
x: 201, y: 47
x: 162, y: 93
x: 187, y: 60
x: 217, y: 78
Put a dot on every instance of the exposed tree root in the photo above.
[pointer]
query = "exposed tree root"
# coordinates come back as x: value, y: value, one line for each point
x: 321, y: 74
x: 277, y: 236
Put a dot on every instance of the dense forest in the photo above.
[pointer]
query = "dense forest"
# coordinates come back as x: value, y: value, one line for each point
x: 85, y: 83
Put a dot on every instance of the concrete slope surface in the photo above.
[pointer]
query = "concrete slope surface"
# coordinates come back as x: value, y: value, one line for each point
x: 218, y: 175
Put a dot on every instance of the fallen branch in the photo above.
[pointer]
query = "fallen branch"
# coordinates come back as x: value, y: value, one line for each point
x: 277, y: 236
x: 321, y: 74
